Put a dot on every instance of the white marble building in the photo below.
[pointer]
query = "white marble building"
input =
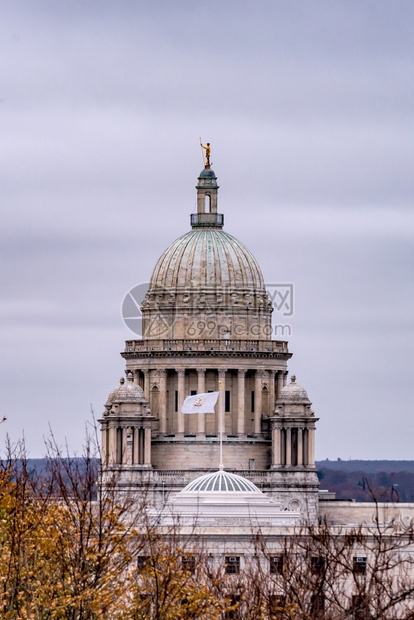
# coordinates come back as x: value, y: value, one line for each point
x: 207, y: 327
x: 207, y: 322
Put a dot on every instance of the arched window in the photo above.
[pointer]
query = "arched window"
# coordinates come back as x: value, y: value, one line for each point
x: 155, y: 400
x: 265, y: 399
x: 207, y: 203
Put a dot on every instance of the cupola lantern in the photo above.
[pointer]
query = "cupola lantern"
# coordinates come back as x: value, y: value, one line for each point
x: 207, y: 195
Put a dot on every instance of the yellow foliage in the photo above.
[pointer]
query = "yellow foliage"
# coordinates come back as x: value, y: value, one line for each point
x: 69, y: 547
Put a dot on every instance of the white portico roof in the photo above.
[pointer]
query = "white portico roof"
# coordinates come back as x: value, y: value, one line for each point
x: 223, y: 499
x: 220, y: 482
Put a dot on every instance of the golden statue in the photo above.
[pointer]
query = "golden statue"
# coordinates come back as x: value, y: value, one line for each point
x: 207, y: 157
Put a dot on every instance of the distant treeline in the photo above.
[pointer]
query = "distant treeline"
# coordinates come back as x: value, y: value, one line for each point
x: 365, y: 480
x: 369, y: 467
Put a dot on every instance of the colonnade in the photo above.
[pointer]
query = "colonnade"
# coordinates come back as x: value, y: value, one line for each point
x: 293, y: 445
x: 126, y: 445
x: 161, y: 378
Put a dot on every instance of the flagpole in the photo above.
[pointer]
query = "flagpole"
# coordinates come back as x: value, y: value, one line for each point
x: 221, y: 407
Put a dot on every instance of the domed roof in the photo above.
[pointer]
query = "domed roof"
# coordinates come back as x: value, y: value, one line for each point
x: 221, y: 482
x: 126, y: 392
x: 207, y: 258
x: 293, y: 392
x: 207, y: 173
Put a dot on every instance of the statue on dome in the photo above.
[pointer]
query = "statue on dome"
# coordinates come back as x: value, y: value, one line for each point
x: 207, y: 154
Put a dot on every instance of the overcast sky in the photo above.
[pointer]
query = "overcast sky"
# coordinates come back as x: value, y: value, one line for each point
x: 308, y: 106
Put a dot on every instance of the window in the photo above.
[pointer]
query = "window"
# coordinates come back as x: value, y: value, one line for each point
x: 232, y: 564
x: 176, y: 401
x: 233, y: 610
x: 359, y: 607
x: 188, y: 563
x: 277, y: 604
x: 193, y: 392
x: 360, y: 565
x: 227, y: 401
x: 276, y: 565
x: 252, y: 401
x: 317, y: 605
x: 142, y: 561
x: 317, y: 564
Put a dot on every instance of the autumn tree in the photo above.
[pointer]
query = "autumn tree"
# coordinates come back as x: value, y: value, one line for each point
x: 74, y: 548
x: 66, y: 541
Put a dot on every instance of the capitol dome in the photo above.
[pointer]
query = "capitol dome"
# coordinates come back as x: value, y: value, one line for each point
x: 207, y: 258
x: 207, y: 277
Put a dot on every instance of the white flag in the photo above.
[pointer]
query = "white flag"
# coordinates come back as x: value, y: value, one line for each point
x: 200, y: 403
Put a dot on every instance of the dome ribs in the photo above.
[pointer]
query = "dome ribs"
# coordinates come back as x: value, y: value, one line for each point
x: 207, y: 284
x: 163, y: 265
x: 176, y: 275
x: 209, y: 258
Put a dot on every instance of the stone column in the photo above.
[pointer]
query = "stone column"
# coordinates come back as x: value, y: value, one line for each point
x: 136, y: 446
x: 136, y: 377
x: 147, y: 446
x: 129, y: 444
x: 271, y: 411
x: 241, y: 407
x: 279, y: 382
x: 201, y: 388
x: 300, y: 446
x: 104, y: 447
x: 221, y: 403
x: 311, y: 447
x: 288, y: 447
x: 276, y: 447
x: 285, y: 376
x: 258, y: 401
x: 146, y: 384
x: 124, y: 446
x: 112, y: 445
x: 162, y: 373
x: 181, y: 393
